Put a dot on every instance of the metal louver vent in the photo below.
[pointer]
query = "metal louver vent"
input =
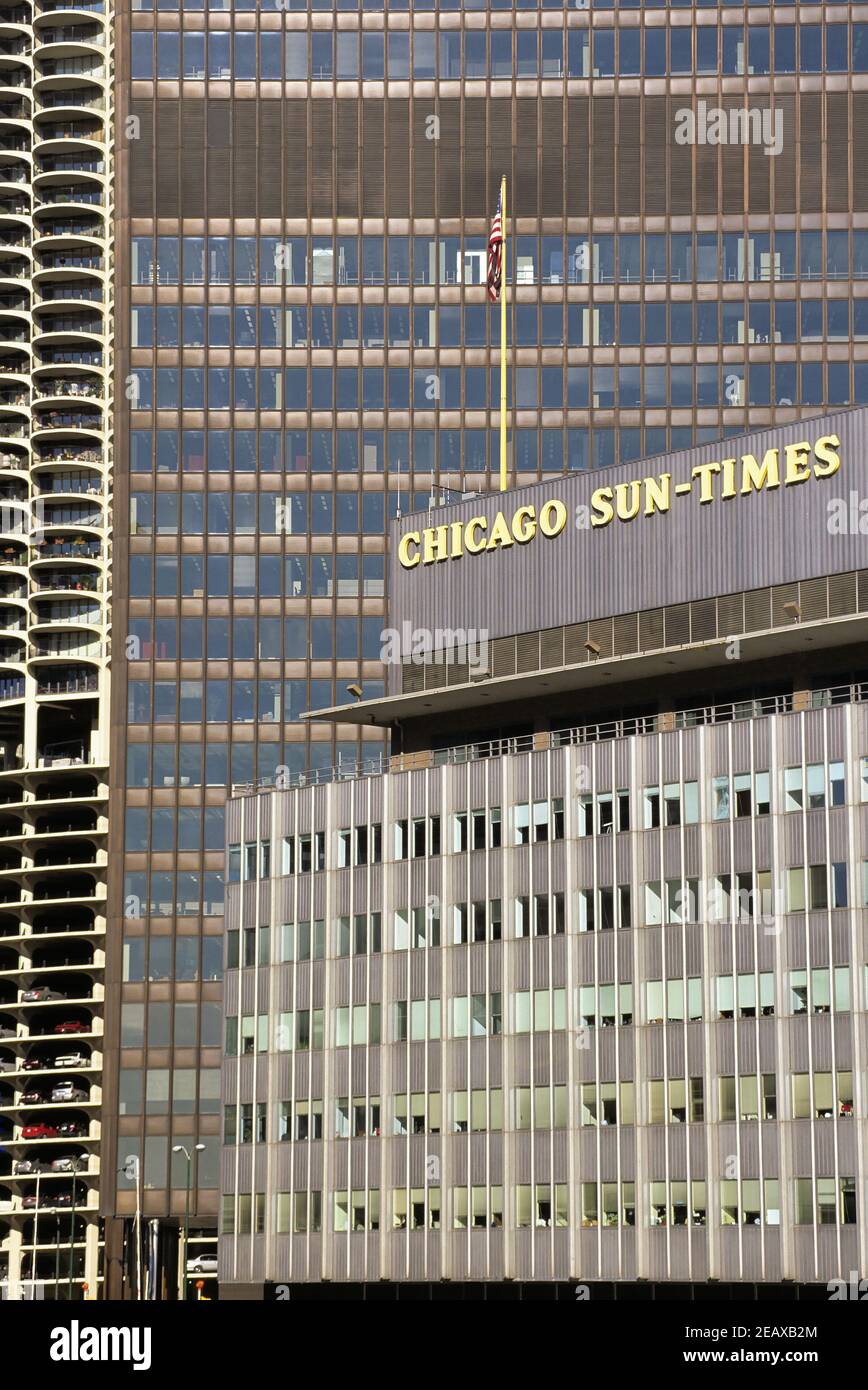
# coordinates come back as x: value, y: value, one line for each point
x: 730, y: 614
x: 412, y: 679
x: 655, y: 629
x: 651, y: 630
x: 625, y: 634
x: 551, y: 648
x: 842, y: 595
x: 677, y: 625
x: 812, y: 600
x: 435, y: 674
x: 757, y: 610
x: 575, y: 638
x: 503, y: 656
x: 527, y: 652
x: 703, y: 620
x: 601, y: 633
x: 783, y: 594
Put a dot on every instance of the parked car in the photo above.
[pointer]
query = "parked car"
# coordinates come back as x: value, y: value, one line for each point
x: 33, y: 1064
x: 6, y: 1065
x: 25, y: 1166
x: 64, y: 1199
x: 72, y: 1059
x: 72, y: 1025
x: 66, y: 1091
x: 32, y: 1098
x: 69, y: 1163
x: 202, y: 1264
x: 7, y: 1032
x: 39, y: 1132
x: 29, y: 1202
x: 40, y: 994
x: 71, y: 1129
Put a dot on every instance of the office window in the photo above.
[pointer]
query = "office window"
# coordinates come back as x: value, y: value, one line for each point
x: 540, y: 1010
x: 476, y: 921
x: 819, y: 991
x: 822, y: 887
x: 417, y: 1113
x: 743, y: 795
x: 417, y: 838
x: 477, y: 1015
x: 357, y: 1211
x: 359, y: 1025
x: 477, y: 1207
x: 478, y: 829
x: 814, y: 787
x: 540, y: 915
x: 538, y: 821
x: 300, y: 1212
x: 825, y: 1201
x: 606, y: 1103
x: 678, y: 1100
x: 416, y: 1209
x: 671, y: 804
x: 302, y: 941
x: 673, y: 1001
x: 608, y: 1204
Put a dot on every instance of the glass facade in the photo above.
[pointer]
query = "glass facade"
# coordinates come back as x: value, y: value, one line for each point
x: 306, y: 348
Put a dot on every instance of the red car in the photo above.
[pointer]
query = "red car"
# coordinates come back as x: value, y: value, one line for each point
x: 72, y: 1025
x: 39, y: 1132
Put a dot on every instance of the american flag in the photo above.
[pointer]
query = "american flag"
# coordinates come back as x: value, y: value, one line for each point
x: 495, y: 252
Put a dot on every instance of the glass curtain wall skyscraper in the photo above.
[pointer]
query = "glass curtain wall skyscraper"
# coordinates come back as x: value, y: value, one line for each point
x: 304, y: 346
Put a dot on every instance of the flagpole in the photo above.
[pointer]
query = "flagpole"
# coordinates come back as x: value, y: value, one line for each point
x: 503, y: 281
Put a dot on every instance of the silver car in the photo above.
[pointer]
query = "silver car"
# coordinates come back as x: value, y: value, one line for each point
x: 68, y: 1092
x: 25, y: 1166
x: 70, y: 1163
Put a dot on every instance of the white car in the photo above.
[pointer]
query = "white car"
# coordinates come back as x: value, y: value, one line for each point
x: 202, y: 1264
x: 72, y: 1059
x: 66, y: 1091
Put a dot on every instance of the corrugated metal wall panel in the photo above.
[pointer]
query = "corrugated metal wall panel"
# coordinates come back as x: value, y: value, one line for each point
x: 622, y: 568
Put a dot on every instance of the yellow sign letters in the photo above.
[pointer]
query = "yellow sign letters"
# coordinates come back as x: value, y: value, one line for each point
x: 710, y: 482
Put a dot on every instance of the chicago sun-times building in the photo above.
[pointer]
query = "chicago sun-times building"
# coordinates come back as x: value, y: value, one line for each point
x: 572, y: 986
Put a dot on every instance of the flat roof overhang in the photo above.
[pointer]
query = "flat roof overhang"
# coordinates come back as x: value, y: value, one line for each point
x: 847, y: 630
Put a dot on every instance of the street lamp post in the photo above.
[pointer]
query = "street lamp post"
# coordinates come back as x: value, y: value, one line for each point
x: 132, y: 1171
x: 56, y: 1258
x: 35, y: 1239
x: 71, y: 1271
x: 182, y: 1263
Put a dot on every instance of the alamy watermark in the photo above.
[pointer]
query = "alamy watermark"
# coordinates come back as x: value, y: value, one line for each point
x: 422, y: 646
x: 746, y: 125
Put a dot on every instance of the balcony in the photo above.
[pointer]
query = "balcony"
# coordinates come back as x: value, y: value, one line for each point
x: 94, y: 230
x: 44, y: 389
x: 597, y: 732
x: 71, y: 33
x: 68, y: 420
x: 72, y: 550
x: 68, y: 685
x: 67, y: 323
